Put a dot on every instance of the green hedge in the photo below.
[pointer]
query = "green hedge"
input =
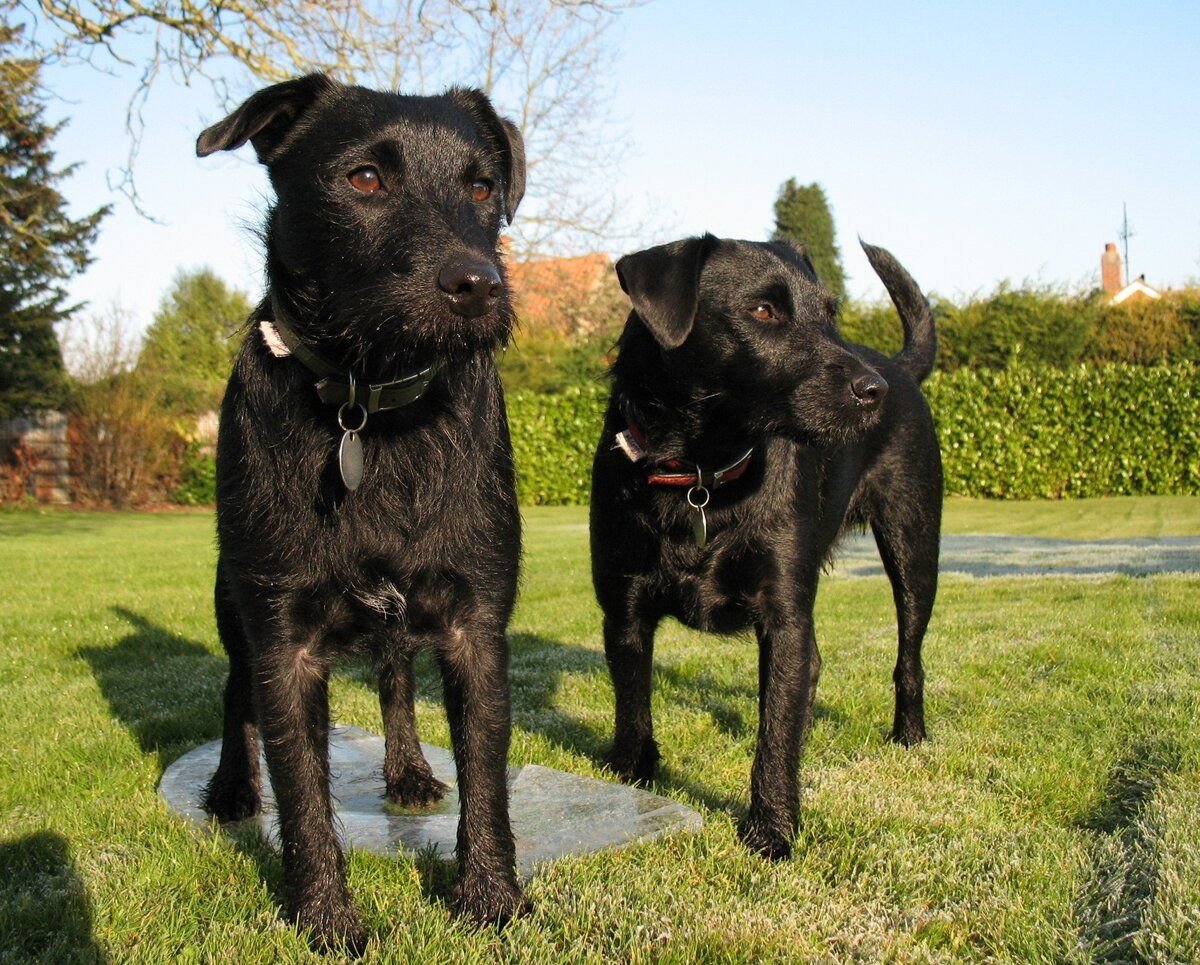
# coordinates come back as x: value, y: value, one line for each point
x: 1042, y: 325
x: 554, y: 440
x: 1018, y: 433
x: 1026, y: 433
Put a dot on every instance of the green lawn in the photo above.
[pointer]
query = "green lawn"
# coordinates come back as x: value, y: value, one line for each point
x: 1052, y: 817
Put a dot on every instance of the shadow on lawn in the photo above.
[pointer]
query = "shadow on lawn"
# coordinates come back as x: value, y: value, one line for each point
x: 1125, y: 857
x: 540, y: 666
x: 165, y: 688
x: 44, y: 906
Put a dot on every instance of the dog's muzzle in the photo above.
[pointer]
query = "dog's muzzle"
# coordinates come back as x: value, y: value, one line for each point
x: 869, y: 390
x: 472, y: 286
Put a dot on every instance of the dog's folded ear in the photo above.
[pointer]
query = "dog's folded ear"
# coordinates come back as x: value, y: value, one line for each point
x: 663, y: 283
x: 265, y: 118
x: 514, y: 186
x: 505, y: 136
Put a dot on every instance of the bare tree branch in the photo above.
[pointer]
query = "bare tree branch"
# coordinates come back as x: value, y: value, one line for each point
x: 542, y: 61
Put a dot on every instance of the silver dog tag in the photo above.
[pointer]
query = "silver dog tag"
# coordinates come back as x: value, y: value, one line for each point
x: 350, y: 460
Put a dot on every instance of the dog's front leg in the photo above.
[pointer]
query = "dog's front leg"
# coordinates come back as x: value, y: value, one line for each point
x: 407, y: 776
x: 787, y: 677
x: 629, y: 651
x: 475, y: 678
x: 293, y: 701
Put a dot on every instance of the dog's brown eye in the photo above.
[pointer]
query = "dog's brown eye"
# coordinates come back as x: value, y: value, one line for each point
x: 763, y: 312
x: 366, y: 180
x: 481, y: 190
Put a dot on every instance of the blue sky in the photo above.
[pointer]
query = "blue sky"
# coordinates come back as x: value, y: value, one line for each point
x: 978, y: 141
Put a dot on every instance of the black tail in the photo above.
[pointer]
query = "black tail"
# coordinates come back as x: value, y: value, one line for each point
x: 920, y: 339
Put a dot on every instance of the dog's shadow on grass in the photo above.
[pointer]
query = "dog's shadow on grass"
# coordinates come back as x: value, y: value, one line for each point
x: 538, y: 670
x: 542, y: 667
x: 43, y: 902
x: 1126, y: 850
x: 165, y: 688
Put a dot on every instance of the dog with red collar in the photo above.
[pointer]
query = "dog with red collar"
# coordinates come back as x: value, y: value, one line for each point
x: 743, y: 437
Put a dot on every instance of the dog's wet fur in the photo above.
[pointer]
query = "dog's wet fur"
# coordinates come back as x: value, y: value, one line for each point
x: 733, y: 344
x: 382, y: 253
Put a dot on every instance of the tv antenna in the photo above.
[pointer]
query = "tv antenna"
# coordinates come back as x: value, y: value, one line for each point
x: 1125, y: 234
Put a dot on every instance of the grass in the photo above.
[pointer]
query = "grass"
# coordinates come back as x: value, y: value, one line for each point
x: 1111, y: 518
x: 1052, y: 817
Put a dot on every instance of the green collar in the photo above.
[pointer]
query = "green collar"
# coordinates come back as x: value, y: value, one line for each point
x: 334, y: 390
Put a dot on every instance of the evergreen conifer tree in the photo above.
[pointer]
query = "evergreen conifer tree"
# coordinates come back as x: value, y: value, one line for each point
x: 802, y: 216
x: 41, y: 246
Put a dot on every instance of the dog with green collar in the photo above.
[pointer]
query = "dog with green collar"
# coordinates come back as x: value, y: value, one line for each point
x: 366, y: 497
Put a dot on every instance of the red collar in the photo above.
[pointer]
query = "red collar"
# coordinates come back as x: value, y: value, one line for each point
x: 677, y: 472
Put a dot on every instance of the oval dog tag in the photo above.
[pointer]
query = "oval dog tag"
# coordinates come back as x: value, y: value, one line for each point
x: 700, y: 528
x: 350, y: 460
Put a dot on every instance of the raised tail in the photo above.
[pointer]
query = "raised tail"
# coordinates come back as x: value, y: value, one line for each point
x: 920, y: 339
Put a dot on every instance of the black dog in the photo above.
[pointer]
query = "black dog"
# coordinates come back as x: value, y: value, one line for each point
x: 743, y: 436
x: 365, y: 493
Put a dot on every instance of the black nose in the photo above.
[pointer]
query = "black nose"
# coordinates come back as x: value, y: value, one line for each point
x: 869, y: 389
x: 472, y: 285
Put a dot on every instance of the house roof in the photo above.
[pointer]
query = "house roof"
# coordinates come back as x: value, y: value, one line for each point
x: 543, y: 286
x: 1135, y: 289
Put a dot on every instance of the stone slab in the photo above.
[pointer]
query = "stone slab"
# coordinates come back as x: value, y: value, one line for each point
x: 553, y: 813
x: 984, y: 556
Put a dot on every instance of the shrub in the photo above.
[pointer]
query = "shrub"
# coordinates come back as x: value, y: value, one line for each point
x: 197, y: 477
x: 1148, y: 332
x: 1032, y: 324
x: 1018, y: 433
x: 1028, y: 432
x: 571, y: 312
x: 124, y: 447
x: 554, y: 439
x: 125, y: 450
x: 540, y: 360
x: 872, y: 323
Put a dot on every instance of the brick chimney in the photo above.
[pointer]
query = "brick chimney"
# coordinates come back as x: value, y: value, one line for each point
x: 1110, y: 269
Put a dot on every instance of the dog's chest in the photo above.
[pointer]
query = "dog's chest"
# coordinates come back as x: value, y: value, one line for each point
x: 721, y: 588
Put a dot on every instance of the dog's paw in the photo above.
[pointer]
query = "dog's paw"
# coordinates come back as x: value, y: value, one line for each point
x: 332, y: 927
x: 764, y: 838
x: 634, y: 765
x: 415, y: 788
x: 488, y: 899
x: 230, y: 802
x: 907, y: 733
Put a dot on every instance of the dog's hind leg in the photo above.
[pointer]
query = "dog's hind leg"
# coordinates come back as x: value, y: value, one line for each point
x: 233, y: 793
x: 908, y: 546
x: 474, y: 667
x: 409, y: 781
x: 292, y: 685
x: 629, y: 651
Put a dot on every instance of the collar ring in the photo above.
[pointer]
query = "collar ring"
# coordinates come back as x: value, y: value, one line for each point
x: 341, y: 416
